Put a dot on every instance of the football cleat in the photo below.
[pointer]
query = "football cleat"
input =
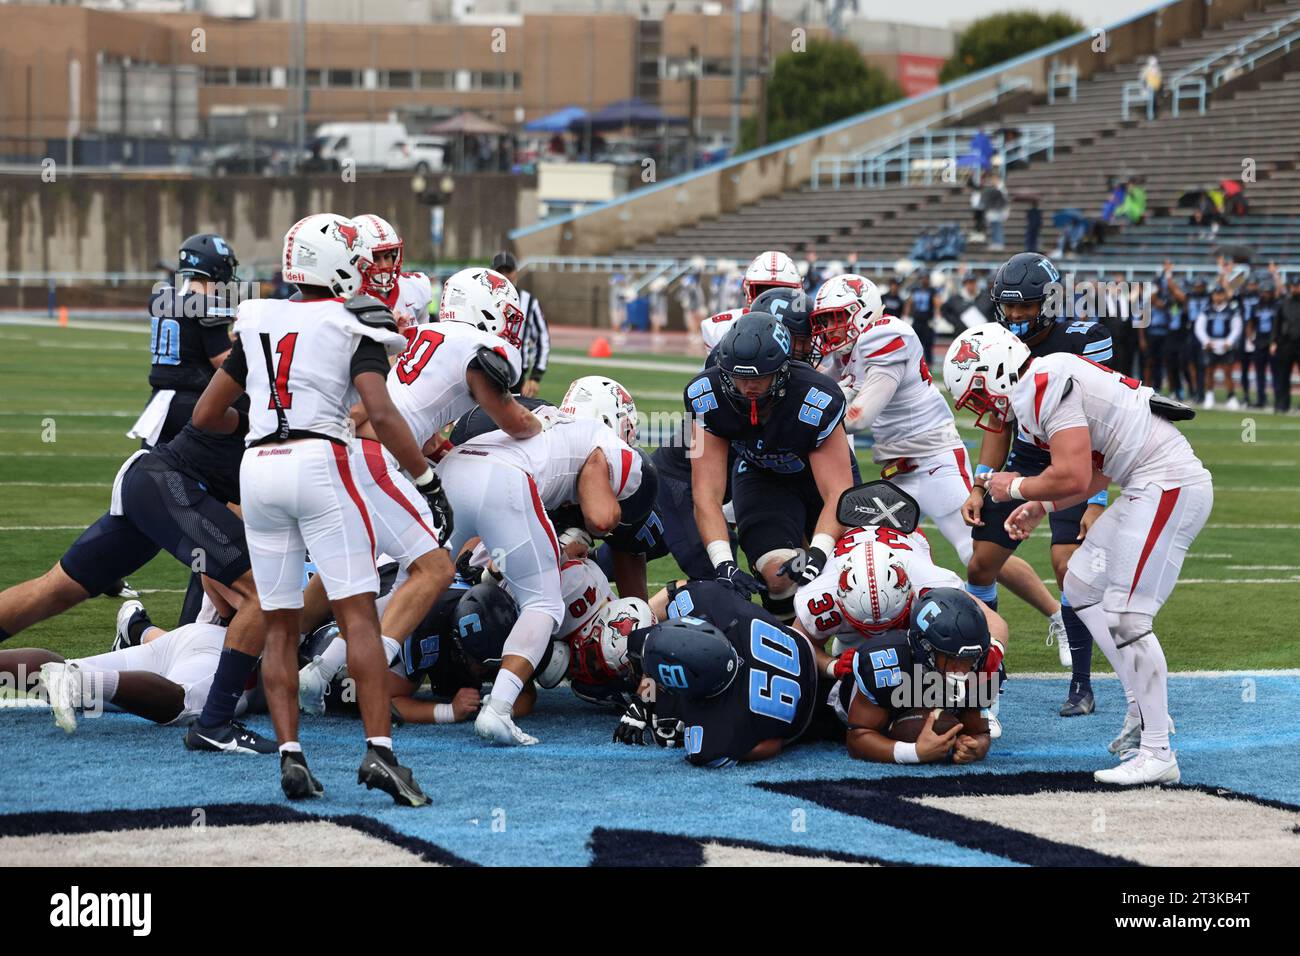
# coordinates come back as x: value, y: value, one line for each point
x: 296, y: 780
x: 120, y: 589
x: 312, y: 686
x: 995, y: 725
x: 1141, y: 767
x: 1056, y: 635
x: 501, y: 729
x: 1130, y: 736
x: 1080, y: 703
x: 129, y: 612
x: 232, y: 737
x: 62, y: 683
x: 378, y: 772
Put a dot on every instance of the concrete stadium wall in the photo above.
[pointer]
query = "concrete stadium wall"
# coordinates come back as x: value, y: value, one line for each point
x: 685, y: 200
x: 102, y: 223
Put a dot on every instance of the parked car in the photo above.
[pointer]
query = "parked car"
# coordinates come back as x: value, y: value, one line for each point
x: 242, y: 159
x: 419, y: 154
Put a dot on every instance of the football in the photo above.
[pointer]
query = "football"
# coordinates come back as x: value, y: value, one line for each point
x: 906, y: 727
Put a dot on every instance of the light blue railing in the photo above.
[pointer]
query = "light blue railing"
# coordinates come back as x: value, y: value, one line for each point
x: 1195, y: 82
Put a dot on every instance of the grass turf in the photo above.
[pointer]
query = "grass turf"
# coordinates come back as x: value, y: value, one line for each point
x: 67, y: 397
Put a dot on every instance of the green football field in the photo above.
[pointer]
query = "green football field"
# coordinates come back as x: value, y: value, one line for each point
x: 68, y: 395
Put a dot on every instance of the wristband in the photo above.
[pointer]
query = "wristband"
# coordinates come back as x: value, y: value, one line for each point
x: 443, y: 714
x: 1100, y: 498
x: 425, y: 478
x: 830, y: 668
x: 1048, y: 506
x: 905, y: 753
x: 1014, y: 491
x: 719, y: 552
x: 823, y: 543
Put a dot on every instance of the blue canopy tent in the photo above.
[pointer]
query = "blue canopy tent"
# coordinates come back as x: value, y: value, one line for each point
x: 619, y: 115
x: 558, y: 122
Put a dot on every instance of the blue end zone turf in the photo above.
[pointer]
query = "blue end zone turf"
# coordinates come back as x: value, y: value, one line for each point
x: 577, y: 798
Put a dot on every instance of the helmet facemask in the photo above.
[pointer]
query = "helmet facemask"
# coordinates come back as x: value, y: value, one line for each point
x: 758, y: 403
x: 1024, y: 329
x: 833, y: 330
x: 978, y: 399
x: 382, y: 280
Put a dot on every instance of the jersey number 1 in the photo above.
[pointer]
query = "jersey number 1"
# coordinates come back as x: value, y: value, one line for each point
x: 417, y: 355
x: 284, y: 349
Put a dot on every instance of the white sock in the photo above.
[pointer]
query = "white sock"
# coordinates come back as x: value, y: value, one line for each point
x: 391, y: 648
x: 1094, y: 618
x: 97, y: 688
x: 505, y: 691
x: 292, y: 747
x: 1152, y: 689
x: 380, y: 742
x: 334, y: 658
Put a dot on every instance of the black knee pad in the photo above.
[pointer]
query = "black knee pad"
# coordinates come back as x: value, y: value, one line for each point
x: 781, y: 608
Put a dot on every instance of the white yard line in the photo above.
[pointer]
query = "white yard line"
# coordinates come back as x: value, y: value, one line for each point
x: 56, y: 484
x: 80, y: 413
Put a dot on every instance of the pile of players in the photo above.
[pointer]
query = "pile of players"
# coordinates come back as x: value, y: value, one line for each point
x: 339, y: 431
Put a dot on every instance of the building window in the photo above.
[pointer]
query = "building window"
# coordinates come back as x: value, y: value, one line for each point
x: 344, y: 79
x: 313, y: 78
x: 435, y: 80
x: 494, y: 81
x: 399, y: 80
x: 216, y: 76
x: 248, y: 76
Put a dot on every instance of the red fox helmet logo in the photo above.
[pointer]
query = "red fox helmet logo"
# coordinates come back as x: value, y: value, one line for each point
x: 350, y: 234
x: 856, y: 285
x: 965, y: 353
x: 493, y: 281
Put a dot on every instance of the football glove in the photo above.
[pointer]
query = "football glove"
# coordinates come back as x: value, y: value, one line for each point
x: 668, y: 731
x: 439, y: 505
x: 844, y: 664
x: 805, y: 566
x: 632, y: 725
x: 743, y: 583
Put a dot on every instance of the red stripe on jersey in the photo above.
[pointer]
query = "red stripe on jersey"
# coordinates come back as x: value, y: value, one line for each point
x: 961, y: 466
x: 626, y: 456
x: 893, y: 346
x: 350, y: 486
x: 1040, y: 389
x: 374, y: 456
x: 1168, y: 499
x: 541, y: 517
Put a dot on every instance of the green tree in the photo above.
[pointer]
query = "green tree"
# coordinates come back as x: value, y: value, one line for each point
x: 1000, y: 37
x: 825, y: 83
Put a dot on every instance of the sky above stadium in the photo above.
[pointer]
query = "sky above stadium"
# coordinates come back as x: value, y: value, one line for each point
x: 942, y: 13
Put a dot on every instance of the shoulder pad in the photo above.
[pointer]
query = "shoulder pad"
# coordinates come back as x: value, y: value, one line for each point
x: 495, y: 366
x: 371, y: 312
x: 216, y: 313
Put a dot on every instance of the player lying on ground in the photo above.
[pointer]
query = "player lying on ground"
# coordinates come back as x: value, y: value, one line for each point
x: 1099, y: 426
x: 920, y: 696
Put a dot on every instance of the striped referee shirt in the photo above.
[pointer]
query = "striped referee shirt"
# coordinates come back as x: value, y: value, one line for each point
x: 536, y: 349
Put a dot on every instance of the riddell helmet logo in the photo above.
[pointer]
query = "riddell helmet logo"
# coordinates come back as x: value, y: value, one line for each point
x: 349, y: 234
x: 965, y: 353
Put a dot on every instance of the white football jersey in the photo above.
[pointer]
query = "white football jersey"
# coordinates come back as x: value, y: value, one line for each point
x: 586, y: 590
x: 715, y: 327
x: 815, y: 604
x: 917, y: 421
x: 308, y: 347
x: 412, y: 296
x: 427, y: 384
x: 554, y: 458
x: 1130, y: 445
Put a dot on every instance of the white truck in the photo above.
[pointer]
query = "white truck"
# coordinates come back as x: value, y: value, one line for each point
x: 367, y: 145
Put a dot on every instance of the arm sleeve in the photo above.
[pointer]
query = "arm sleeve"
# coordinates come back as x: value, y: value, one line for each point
x: 236, y: 363
x: 216, y: 339
x: 880, y: 384
x: 543, y: 341
x: 369, y: 356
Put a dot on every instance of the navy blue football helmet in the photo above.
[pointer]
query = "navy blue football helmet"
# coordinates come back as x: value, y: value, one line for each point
x: 1025, y: 277
x: 483, y: 618
x: 794, y: 309
x: 207, y: 256
x: 948, y: 621
x: 757, y: 344
x: 687, y: 656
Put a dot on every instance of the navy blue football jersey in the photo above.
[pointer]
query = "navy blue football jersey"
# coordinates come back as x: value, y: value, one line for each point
x: 183, y: 340
x: 1077, y: 337
x: 922, y: 300
x: 879, y: 667
x: 892, y: 303
x: 772, y: 697
x: 430, y: 650
x: 209, y: 458
x: 795, y: 424
x: 1263, y: 314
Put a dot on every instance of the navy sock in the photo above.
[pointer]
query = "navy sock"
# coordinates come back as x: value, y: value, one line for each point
x: 233, y: 670
x: 1080, y: 639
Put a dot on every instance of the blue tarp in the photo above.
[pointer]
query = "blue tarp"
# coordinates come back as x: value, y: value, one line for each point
x: 556, y: 122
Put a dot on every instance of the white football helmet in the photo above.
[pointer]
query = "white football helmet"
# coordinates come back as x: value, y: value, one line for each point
x: 326, y: 250
x: 599, y: 652
x: 844, y: 307
x: 982, y: 366
x: 554, y: 666
x: 601, y: 398
x: 381, y: 237
x: 770, y: 270
x: 874, y: 592
x: 486, y: 300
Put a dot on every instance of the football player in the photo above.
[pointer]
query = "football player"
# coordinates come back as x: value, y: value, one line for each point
x: 501, y: 490
x: 405, y: 294
x: 1023, y: 305
x: 1099, y: 426
x: 189, y: 336
x: 302, y: 362
x: 946, y: 635
x: 784, y: 422
x: 769, y: 270
x: 725, y: 679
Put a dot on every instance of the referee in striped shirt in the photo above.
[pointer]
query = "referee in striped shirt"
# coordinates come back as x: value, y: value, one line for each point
x: 536, y: 347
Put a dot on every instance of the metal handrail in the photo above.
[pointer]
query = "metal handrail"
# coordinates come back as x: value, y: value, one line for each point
x: 1063, y: 77
x: 1247, y: 65
x: 1200, y: 66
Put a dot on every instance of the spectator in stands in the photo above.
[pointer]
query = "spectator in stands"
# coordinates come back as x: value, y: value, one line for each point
x: 1218, y: 330
x: 1234, y: 197
x: 980, y: 158
x: 1134, y: 206
x: 925, y: 298
x: 536, y: 348
x: 996, y: 204
x: 1033, y: 225
x: 1151, y: 79
x: 1285, y: 346
x: 977, y: 213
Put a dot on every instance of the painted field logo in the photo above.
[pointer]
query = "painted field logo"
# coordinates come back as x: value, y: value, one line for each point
x: 73, y: 909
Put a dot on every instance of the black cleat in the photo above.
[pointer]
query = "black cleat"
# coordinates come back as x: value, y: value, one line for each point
x: 385, y: 773
x: 1080, y: 702
x: 233, y: 737
x: 119, y: 589
x: 296, y: 780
